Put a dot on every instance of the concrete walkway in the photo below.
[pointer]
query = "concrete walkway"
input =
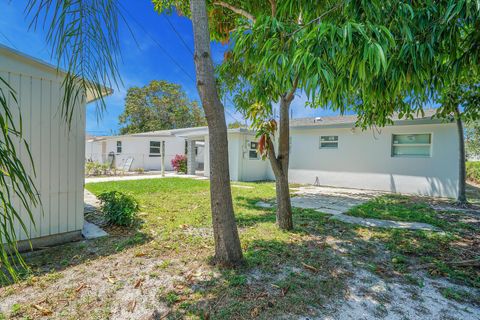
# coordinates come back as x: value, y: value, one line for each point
x: 168, y: 174
x: 337, y: 201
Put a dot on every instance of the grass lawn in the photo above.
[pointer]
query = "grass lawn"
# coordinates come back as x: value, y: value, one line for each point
x: 161, y: 264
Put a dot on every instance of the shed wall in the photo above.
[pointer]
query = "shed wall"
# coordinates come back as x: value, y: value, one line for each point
x: 57, y: 151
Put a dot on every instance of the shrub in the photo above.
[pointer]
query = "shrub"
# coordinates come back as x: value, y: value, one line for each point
x: 95, y: 168
x: 179, y: 163
x: 140, y: 170
x: 119, y: 208
x: 473, y: 171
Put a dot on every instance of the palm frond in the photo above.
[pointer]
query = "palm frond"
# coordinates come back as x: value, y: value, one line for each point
x: 15, y: 183
x: 84, y: 39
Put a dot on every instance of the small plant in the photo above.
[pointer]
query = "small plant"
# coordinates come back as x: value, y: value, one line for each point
x: 119, y: 208
x: 473, y: 171
x: 95, y: 168
x: 140, y: 170
x: 179, y: 163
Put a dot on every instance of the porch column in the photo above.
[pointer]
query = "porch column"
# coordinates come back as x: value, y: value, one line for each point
x: 191, y: 163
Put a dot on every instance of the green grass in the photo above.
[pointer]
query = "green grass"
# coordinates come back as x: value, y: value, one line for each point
x: 174, y: 226
x: 175, y: 212
x: 398, y: 208
x: 435, y: 250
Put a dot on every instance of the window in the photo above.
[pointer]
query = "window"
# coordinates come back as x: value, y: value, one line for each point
x: 252, y: 150
x: 119, y: 146
x: 329, y: 142
x: 155, y: 148
x: 411, y: 145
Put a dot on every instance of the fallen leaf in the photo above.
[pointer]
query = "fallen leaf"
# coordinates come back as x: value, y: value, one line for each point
x: 309, y: 267
x: 80, y: 287
x: 111, y: 280
x: 255, y: 312
x: 44, y: 311
x: 132, y: 305
x: 284, y: 291
x: 138, y: 283
x: 140, y: 254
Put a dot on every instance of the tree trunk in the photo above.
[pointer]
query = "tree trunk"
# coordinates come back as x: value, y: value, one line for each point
x: 284, y: 207
x: 280, y: 166
x: 461, y: 197
x: 227, y: 243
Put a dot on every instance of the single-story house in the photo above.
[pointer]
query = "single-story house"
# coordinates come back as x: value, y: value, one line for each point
x: 141, y: 150
x: 418, y: 156
x: 58, y: 153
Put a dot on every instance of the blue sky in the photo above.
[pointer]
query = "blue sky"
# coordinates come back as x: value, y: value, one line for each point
x: 143, y: 59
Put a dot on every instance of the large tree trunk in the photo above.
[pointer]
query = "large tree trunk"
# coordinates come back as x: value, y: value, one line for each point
x: 280, y: 166
x: 461, y: 197
x: 227, y: 243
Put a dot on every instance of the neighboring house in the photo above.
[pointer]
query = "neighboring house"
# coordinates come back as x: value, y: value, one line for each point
x: 57, y: 152
x: 244, y: 160
x: 142, y: 150
x: 417, y: 156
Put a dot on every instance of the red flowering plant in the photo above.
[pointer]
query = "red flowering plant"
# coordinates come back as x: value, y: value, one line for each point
x: 179, y: 163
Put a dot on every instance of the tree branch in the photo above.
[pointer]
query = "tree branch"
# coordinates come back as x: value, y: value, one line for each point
x: 273, y: 5
x: 271, y: 155
x: 337, y: 6
x: 289, y: 97
x: 239, y: 11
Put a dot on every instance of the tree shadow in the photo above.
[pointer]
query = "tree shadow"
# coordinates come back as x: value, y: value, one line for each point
x: 60, y: 257
x: 294, y: 278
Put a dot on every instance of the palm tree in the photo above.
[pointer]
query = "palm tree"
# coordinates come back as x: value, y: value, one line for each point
x: 84, y: 40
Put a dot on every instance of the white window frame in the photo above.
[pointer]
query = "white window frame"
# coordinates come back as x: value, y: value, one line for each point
x: 329, y: 142
x: 250, y: 149
x: 119, y: 145
x: 159, y: 147
x: 392, y: 144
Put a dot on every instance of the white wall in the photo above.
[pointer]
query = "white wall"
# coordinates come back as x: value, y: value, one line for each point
x: 58, y: 153
x: 363, y: 160
x: 241, y: 167
x: 138, y: 148
x: 93, y: 151
x: 251, y: 169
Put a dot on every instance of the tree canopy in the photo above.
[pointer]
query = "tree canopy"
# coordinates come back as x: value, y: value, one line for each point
x: 160, y: 105
x: 236, y: 124
x: 375, y: 57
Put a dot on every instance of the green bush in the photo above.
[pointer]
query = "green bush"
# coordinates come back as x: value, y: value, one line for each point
x: 95, y: 168
x: 473, y: 171
x: 119, y: 208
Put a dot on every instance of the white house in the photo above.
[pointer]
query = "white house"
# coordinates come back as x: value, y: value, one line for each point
x: 412, y: 156
x: 57, y: 152
x: 141, y: 150
x: 417, y: 156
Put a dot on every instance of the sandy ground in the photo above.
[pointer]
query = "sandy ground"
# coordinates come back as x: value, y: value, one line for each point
x: 126, y: 286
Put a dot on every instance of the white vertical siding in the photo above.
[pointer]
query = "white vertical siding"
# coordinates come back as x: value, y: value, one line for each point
x: 58, y: 153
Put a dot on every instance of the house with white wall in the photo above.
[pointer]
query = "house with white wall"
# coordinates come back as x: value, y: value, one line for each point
x: 415, y: 156
x: 141, y: 150
x: 418, y: 156
x: 57, y: 151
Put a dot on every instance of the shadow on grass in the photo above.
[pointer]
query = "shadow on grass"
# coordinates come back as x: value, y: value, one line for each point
x: 58, y: 258
x: 274, y: 281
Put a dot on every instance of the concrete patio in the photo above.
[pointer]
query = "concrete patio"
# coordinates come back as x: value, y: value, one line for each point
x: 337, y: 201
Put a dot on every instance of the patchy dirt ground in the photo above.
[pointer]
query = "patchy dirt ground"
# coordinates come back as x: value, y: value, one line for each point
x: 132, y: 285
x: 322, y: 270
